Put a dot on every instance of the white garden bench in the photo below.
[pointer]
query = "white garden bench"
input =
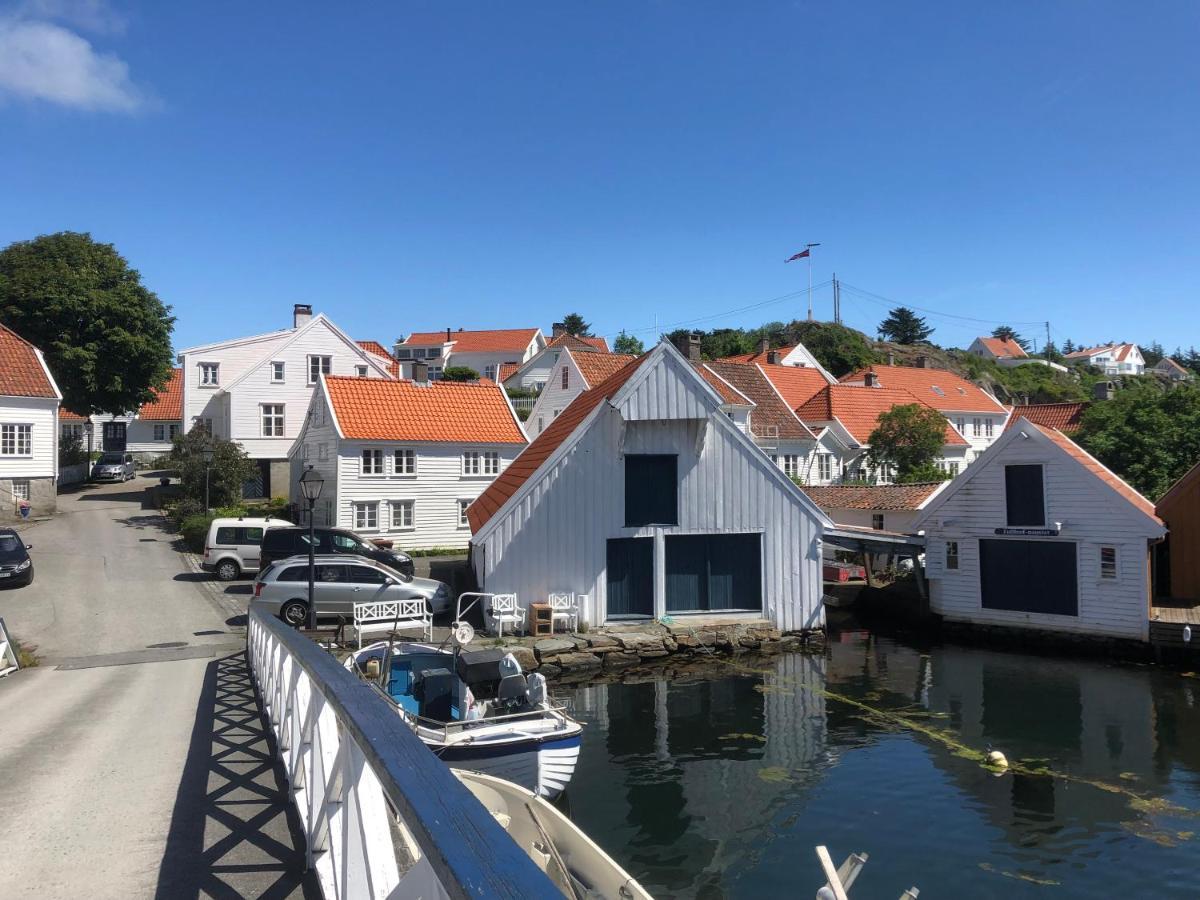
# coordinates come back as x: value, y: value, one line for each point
x: 386, y: 615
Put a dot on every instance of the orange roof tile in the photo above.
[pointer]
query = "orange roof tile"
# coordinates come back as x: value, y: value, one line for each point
x: 859, y: 408
x: 167, y: 406
x: 65, y: 415
x: 376, y: 409
x: 595, y: 367
x: 728, y: 393
x: 1171, y: 364
x: 1098, y: 469
x: 560, y: 428
x: 759, y: 357
x: 1065, y: 417
x: 375, y: 347
x: 1003, y: 348
x: 771, y: 415
x: 506, y: 369
x: 796, y: 384
x: 872, y: 496
x: 22, y: 373
x: 575, y: 342
x: 515, y: 340
x: 938, y: 388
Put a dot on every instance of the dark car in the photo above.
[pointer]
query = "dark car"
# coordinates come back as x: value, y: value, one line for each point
x: 280, y: 543
x: 16, y: 567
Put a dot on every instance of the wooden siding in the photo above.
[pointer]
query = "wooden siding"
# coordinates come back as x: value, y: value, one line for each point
x: 307, y: 450
x: 661, y: 392
x: 41, y: 414
x: 554, y: 396
x: 1180, y: 509
x: 554, y: 537
x: 234, y: 362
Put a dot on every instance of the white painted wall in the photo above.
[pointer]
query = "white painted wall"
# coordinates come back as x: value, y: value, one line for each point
x: 317, y: 446
x: 554, y: 398
x: 41, y: 414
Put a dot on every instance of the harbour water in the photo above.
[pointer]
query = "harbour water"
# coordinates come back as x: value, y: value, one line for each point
x: 720, y: 784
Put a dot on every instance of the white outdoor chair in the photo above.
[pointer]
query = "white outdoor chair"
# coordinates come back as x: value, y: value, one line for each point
x: 384, y: 615
x: 564, y: 607
x: 505, y: 608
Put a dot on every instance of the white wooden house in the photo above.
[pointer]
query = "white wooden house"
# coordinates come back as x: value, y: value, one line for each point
x: 1172, y: 370
x: 29, y: 400
x: 147, y: 434
x: 1039, y: 535
x: 486, y: 352
x: 256, y: 390
x: 1111, y: 359
x: 572, y: 374
x: 644, y: 496
x: 404, y: 459
x: 534, y: 373
x: 880, y: 507
x: 796, y: 355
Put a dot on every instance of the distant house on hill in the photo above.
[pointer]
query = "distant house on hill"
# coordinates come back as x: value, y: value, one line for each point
x: 534, y: 373
x: 1111, y: 359
x: 1173, y: 370
x: 997, y: 348
x: 795, y: 355
x: 484, y: 351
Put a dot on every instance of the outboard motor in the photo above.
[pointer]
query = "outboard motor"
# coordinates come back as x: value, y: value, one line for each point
x: 536, y: 692
x: 509, y: 666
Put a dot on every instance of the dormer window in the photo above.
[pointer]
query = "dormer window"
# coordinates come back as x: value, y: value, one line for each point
x: 360, y: 371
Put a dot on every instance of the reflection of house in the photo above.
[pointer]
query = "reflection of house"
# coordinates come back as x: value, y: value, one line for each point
x: 1038, y: 534
x: 29, y: 401
x: 483, y: 351
x: 646, y: 497
x: 1111, y: 359
x: 1179, y: 508
x: 884, y: 507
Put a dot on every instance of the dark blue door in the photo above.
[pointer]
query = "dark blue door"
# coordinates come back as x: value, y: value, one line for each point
x: 630, y: 577
x: 713, y: 572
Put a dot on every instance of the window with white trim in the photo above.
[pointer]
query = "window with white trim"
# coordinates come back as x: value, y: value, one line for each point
x: 961, y: 424
x: 824, y: 466
x: 366, y: 516
x: 989, y: 428
x: 491, y: 463
x: 976, y: 427
x: 1108, y: 562
x: 272, y: 420
x: 541, y: 424
x: 360, y: 371
x: 16, y: 440
x: 951, y: 554
x: 404, y: 515
x: 790, y: 464
x: 71, y: 430
x: 372, y: 461
x: 566, y: 378
x: 318, y: 366
x: 404, y: 353
x: 463, y: 522
x: 435, y: 373
x: 202, y: 422
x: 210, y: 374
x: 20, y: 489
x: 160, y: 431
x: 405, y: 461
x: 470, y: 462
x: 489, y: 372
x: 277, y: 370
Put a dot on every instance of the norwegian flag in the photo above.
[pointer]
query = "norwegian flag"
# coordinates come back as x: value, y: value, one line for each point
x: 800, y: 255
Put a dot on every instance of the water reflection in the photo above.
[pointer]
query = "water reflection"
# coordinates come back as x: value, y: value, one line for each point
x: 719, y: 785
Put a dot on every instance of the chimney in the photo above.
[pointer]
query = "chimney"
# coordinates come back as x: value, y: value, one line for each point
x: 772, y: 357
x: 922, y: 362
x: 891, y: 357
x: 301, y: 315
x: 1103, y: 390
x: 448, y: 335
x: 689, y: 345
x: 557, y: 330
x: 764, y: 345
x: 870, y: 379
x: 420, y: 373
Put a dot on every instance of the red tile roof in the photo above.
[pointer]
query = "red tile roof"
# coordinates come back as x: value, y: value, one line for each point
x: 796, y: 384
x: 560, y: 428
x: 876, y: 496
x: 771, y: 416
x: 515, y: 340
x: 1119, y: 351
x: 595, y: 367
x: 375, y: 347
x: 859, y: 408
x: 65, y: 415
x: 937, y: 387
x: 575, y: 342
x: 464, y: 412
x: 728, y: 393
x: 1065, y: 417
x: 22, y: 373
x: 506, y: 369
x: 1098, y: 469
x: 759, y: 357
x: 1003, y: 348
x: 167, y: 406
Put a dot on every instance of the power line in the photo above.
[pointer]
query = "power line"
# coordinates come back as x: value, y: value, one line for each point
x: 886, y: 301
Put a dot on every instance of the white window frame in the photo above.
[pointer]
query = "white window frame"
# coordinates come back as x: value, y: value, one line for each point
x: 371, y: 462
x: 825, y: 466
x: 952, y: 557
x: 472, y: 465
x: 490, y: 460
x: 204, y: 422
x: 364, y: 512
x: 789, y: 464
x: 361, y: 371
x: 16, y: 439
x: 541, y: 424
x: 271, y: 419
x: 977, y: 427
x: 401, y: 510
x: 278, y: 372
x: 989, y: 428
x: 404, y: 461
x: 20, y: 489
x: 566, y: 378
x: 322, y: 452
x: 323, y: 364
x: 435, y: 373
x: 1109, y: 573
x: 210, y: 374
x: 463, y: 521
x: 961, y: 424
x: 489, y: 371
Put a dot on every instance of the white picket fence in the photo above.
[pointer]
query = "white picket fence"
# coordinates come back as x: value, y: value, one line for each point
x: 8, y: 653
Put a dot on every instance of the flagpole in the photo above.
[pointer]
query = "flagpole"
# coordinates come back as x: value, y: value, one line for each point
x: 810, y: 287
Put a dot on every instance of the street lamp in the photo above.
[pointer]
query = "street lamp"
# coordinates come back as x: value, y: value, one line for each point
x: 207, y: 453
x: 311, y: 483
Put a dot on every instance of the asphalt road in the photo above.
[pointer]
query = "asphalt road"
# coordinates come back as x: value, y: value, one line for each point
x: 132, y: 760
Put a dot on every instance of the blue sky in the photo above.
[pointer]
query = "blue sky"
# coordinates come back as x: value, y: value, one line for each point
x: 473, y: 164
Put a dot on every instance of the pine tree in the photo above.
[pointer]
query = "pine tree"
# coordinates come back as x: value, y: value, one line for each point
x: 903, y: 326
x: 1007, y: 333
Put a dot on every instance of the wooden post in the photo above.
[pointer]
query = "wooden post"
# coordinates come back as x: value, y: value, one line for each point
x: 922, y: 587
x: 869, y: 560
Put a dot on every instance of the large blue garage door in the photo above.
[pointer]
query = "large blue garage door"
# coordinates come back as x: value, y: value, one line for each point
x: 714, y: 572
x: 1029, y: 576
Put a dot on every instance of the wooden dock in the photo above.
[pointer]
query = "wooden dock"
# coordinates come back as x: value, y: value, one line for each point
x: 1167, y: 623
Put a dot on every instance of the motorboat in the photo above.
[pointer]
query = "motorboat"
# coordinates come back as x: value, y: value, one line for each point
x: 572, y: 860
x: 477, y: 710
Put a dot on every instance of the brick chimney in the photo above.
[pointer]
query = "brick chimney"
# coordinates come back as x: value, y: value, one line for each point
x: 772, y: 357
x: 870, y: 379
x: 689, y: 345
x: 764, y: 345
x: 922, y: 362
x: 557, y: 330
x: 420, y: 373
x: 448, y: 335
x: 891, y: 357
x: 301, y: 315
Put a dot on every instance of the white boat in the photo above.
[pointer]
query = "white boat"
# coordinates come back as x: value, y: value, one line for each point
x: 477, y: 711
x: 576, y: 865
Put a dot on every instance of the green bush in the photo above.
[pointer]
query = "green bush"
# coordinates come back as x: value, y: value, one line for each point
x: 195, y: 530
x: 185, y: 508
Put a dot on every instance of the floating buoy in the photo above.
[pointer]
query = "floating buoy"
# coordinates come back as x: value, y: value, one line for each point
x: 998, y: 759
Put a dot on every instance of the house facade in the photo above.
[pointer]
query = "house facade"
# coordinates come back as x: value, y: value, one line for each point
x: 257, y: 390
x: 796, y: 355
x: 534, y: 373
x: 29, y: 401
x: 148, y: 434
x: 880, y: 507
x: 483, y: 351
x: 644, y: 496
x: 1111, y: 359
x: 572, y: 374
x: 404, y: 459
x: 1172, y: 370
x: 1039, y: 535
x: 998, y: 349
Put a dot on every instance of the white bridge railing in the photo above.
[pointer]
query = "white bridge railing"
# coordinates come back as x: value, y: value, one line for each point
x: 382, y: 816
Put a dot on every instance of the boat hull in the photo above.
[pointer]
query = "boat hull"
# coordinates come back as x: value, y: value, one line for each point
x: 541, y: 765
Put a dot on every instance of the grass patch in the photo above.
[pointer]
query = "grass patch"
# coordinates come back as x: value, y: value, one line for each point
x: 27, y: 657
x: 435, y: 551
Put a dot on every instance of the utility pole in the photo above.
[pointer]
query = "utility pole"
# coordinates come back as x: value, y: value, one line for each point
x: 1048, y: 341
x: 808, y: 249
x: 837, y: 300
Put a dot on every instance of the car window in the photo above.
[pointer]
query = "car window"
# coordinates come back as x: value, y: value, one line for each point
x: 227, y: 535
x: 8, y: 543
x: 251, y: 536
x: 277, y: 539
x: 111, y: 458
x: 331, y: 574
x: 367, y: 575
x: 344, y: 543
x: 294, y: 573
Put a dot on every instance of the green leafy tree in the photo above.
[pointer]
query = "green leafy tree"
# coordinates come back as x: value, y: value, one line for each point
x: 106, y: 337
x: 1007, y: 333
x: 627, y: 343
x: 904, y: 327
x: 909, y: 437
x: 1147, y: 436
x: 230, y: 468
x: 722, y: 342
x: 459, y: 373
x: 839, y: 349
x: 574, y: 324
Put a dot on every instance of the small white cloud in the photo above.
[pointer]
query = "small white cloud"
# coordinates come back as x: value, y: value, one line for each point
x: 43, y: 61
x: 88, y: 15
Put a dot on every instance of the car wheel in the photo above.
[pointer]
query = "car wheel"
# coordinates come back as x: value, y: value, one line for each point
x: 228, y: 570
x: 294, y: 613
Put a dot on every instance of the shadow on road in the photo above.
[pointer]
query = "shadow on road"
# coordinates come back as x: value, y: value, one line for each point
x: 233, y: 831
x: 135, y: 496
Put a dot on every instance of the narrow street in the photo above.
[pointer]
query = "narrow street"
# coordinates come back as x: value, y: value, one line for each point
x: 132, y: 759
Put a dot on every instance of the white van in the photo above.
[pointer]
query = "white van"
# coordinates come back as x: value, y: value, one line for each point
x: 232, y: 546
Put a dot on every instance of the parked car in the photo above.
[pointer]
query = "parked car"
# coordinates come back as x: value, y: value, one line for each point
x: 340, y: 581
x: 16, y: 568
x: 232, y: 546
x: 114, y: 466
x: 284, y: 542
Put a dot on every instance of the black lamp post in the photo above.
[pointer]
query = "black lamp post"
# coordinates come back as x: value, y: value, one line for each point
x: 311, y: 483
x: 207, y: 453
